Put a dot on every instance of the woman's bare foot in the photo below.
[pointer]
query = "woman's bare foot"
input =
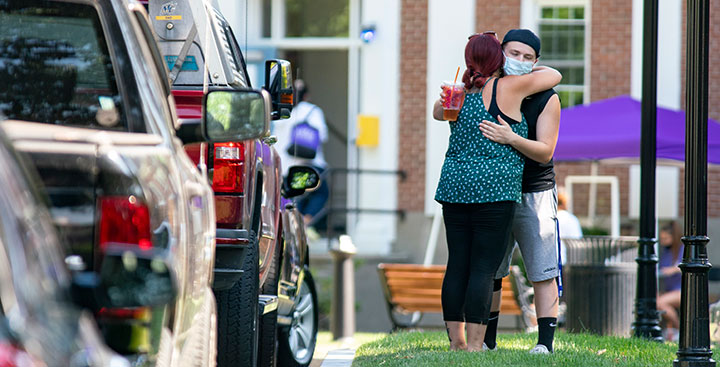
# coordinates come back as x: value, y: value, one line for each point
x: 475, y: 349
x: 456, y: 334
x: 475, y: 337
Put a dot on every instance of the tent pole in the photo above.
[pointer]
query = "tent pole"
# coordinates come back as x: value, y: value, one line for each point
x: 592, y: 195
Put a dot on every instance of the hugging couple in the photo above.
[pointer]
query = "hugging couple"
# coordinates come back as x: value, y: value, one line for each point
x: 497, y: 186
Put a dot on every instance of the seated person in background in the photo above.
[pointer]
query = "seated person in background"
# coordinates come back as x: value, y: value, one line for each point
x: 569, y: 224
x: 671, y: 249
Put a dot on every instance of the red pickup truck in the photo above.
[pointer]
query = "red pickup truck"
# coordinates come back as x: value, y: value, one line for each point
x: 257, y: 296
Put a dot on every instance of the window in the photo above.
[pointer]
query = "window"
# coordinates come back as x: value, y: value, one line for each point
x: 55, y: 67
x: 317, y: 18
x: 562, y: 33
x: 266, y: 18
x: 307, y: 18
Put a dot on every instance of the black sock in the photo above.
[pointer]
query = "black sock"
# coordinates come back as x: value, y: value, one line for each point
x: 491, y: 331
x: 546, y: 331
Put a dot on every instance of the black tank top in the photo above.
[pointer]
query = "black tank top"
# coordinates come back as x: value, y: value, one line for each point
x: 494, y: 110
x: 536, y: 176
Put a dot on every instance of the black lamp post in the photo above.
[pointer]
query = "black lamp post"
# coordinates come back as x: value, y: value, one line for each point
x: 646, y: 323
x: 694, y: 344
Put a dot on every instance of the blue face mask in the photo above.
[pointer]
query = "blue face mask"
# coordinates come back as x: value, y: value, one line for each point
x: 515, y: 67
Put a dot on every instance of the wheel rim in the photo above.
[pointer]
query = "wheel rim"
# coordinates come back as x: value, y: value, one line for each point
x: 301, y: 338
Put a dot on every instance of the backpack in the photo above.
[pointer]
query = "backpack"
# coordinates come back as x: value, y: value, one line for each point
x: 304, y: 139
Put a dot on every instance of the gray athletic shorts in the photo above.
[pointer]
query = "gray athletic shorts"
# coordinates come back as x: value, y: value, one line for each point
x: 535, y: 231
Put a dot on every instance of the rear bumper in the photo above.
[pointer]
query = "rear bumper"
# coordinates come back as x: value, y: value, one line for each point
x: 231, y: 247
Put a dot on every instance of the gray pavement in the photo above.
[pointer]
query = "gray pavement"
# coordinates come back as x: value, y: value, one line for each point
x: 339, y: 358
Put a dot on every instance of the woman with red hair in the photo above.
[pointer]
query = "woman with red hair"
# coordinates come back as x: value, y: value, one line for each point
x: 479, y: 184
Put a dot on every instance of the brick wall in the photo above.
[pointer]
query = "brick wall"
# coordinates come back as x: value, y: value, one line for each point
x: 498, y: 16
x: 581, y: 191
x: 713, y: 192
x: 413, y: 76
x: 611, y: 47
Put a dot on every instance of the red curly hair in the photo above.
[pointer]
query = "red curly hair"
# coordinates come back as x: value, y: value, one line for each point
x: 483, y: 56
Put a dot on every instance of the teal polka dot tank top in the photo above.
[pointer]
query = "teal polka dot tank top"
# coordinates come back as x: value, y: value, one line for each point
x: 476, y: 169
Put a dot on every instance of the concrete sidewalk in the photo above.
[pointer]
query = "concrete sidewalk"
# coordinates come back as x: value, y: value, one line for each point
x: 336, y: 353
x: 339, y: 358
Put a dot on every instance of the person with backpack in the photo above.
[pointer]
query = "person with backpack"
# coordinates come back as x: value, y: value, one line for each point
x: 300, y: 142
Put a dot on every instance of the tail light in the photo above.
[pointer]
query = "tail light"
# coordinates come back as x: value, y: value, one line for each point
x: 228, y: 167
x: 124, y: 220
x: 13, y: 356
x: 138, y: 313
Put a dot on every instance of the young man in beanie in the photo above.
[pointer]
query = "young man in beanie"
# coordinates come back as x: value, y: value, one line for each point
x: 534, y: 226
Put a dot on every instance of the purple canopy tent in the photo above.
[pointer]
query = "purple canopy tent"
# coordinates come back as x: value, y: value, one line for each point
x: 611, y: 129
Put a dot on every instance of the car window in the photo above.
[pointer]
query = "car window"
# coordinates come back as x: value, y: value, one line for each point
x: 55, y: 66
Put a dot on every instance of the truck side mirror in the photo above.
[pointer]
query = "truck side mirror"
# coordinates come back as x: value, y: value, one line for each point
x: 235, y: 115
x: 299, y: 180
x: 229, y: 115
x: 279, y: 83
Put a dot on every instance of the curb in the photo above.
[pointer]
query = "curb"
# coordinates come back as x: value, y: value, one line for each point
x: 339, y: 358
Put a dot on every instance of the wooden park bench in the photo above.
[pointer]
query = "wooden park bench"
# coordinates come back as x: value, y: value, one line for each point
x: 412, y: 289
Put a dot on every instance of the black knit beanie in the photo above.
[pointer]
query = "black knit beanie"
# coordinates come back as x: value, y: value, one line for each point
x: 525, y: 36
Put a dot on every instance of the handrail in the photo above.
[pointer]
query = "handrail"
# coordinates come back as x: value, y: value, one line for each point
x: 329, y: 208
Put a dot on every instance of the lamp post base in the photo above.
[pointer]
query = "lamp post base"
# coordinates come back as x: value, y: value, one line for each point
x: 694, y: 362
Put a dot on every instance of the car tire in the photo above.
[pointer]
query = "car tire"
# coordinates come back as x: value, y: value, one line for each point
x: 237, y: 310
x: 267, y: 347
x: 297, y: 342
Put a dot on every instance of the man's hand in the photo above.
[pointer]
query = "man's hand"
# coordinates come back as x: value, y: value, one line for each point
x: 669, y: 270
x: 500, y: 133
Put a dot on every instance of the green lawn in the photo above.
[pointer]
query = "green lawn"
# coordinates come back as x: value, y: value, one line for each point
x: 431, y: 349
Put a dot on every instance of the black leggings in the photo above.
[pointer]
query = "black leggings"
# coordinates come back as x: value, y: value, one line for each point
x: 477, y: 236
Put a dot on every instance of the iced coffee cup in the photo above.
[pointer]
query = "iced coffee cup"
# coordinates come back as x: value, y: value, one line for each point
x: 454, y: 96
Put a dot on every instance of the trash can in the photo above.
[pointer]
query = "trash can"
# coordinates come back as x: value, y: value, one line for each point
x: 600, y: 278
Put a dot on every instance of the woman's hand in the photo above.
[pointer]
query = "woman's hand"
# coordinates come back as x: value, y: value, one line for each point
x: 500, y: 133
x: 437, y: 107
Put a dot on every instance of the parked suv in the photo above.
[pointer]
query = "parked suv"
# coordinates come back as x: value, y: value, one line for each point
x: 84, y: 82
x: 255, y: 238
